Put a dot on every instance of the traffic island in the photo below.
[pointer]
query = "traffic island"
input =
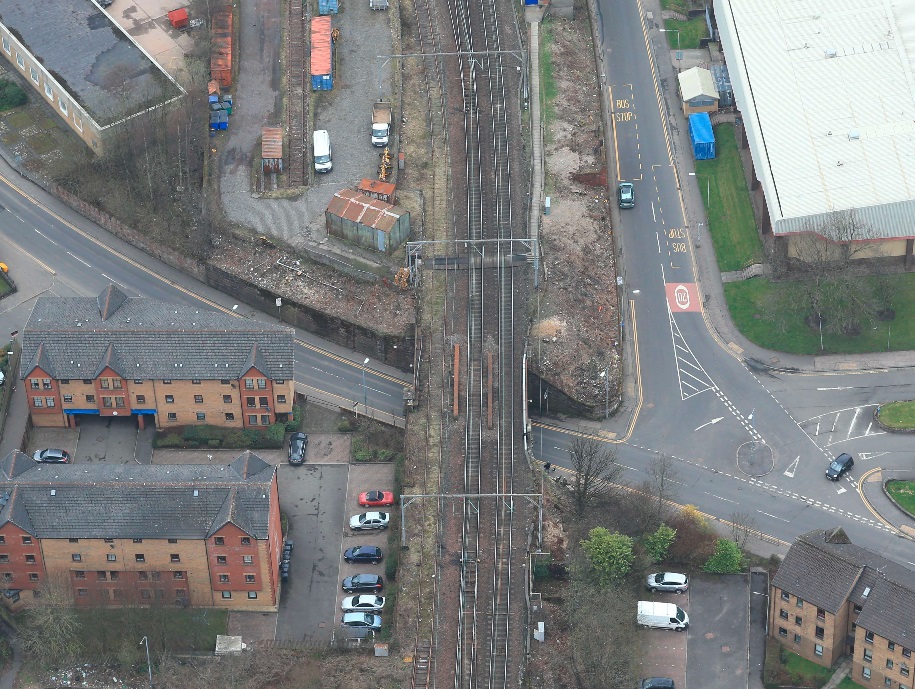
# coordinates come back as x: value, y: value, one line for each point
x: 896, y: 417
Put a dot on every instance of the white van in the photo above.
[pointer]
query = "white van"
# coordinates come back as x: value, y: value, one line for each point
x: 321, y: 149
x: 662, y: 616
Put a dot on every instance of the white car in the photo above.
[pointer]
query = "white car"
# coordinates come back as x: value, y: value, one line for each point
x: 369, y: 520
x: 364, y: 603
x: 361, y: 620
x: 667, y: 581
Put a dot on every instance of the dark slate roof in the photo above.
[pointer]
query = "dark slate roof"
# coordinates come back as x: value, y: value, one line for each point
x: 90, y: 56
x: 131, y: 501
x: 826, y: 569
x: 14, y: 464
x: 148, y: 339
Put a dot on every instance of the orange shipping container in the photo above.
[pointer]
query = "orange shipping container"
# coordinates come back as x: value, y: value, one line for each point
x: 221, y: 55
x: 321, y: 55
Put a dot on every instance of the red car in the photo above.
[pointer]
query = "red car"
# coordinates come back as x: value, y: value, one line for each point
x: 376, y: 498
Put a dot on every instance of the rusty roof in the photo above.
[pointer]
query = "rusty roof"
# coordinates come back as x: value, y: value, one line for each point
x: 376, y: 186
x: 272, y: 142
x: 351, y: 205
x: 321, y: 58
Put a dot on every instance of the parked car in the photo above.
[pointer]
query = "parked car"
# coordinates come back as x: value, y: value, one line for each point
x: 365, y: 603
x: 52, y: 456
x: 363, y: 553
x: 667, y: 581
x: 376, y: 498
x: 364, y: 620
x: 369, y: 520
x: 297, y: 444
x: 363, y: 583
x: 626, y: 195
x: 657, y: 683
x: 839, y: 466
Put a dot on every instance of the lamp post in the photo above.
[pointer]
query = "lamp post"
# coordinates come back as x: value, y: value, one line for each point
x: 365, y: 398
x: 603, y: 374
x: 679, y: 52
x: 708, y: 187
x: 145, y: 640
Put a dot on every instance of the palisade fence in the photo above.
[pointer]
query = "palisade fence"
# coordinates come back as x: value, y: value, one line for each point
x: 12, y: 375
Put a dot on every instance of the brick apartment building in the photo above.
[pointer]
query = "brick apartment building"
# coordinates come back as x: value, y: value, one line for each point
x: 831, y: 597
x: 116, y: 534
x: 175, y: 365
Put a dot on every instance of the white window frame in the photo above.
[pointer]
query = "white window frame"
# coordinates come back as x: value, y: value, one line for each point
x: 20, y: 61
x: 48, y: 91
x: 34, y: 74
x: 63, y: 106
x: 6, y: 46
x: 78, y: 121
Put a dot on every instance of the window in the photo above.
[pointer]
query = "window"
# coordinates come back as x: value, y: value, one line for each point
x: 90, y: 399
x: 264, y: 402
x: 114, y: 575
x: 249, y: 384
x: 169, y: 399
x: 117, y: 384
x: 223, y: 578
x: 891, y: 645
x: 889, y: 664
x: 138, y: 381
x: 34, y: 384
x: 198, y: 399
x: 219, y: 540
x: 166, y: 382
x: 141, y: 399
x: 195, y: 381
x: 119, y: 402
x: 800, y: 602
x: 87, y: 381
x: 145, y: 594
x: 252, y: 595
x: 230, y: 416
x: 245, y: 540
x: 26, y: 540
x: 797, y: 638
x: 903, y: 670
x: 249, y: 559
x: 4, y: 558
x: 220, y: 559
x: 142, y: 576
x: 265, y: 420
x: 109, y: 540
x: 38, y: 402
x: 117, y: 593
x: 34, y: 74
x: 906, y: 652
x: 783, y: 632
x: 177, y: 575
x: 868, y: 655
x: 172, y: 416
x: 819, y: 632
x: 46, y: 383
x: 180, y: 593
x: 783, y: 614
x: 279, y: 382
x: 6, y: 45
x: 250, y: 402
x: 63, y: 105
x: 818, y: 649
x: 111, y: 557
x: 68, y: 398
x: 80, y: 574
x: 77, y: 557
x: 156, y: 576
x: 227, y: 399
x: 106, y: 402
x: 138, y: 540
x: 104, y: 384
x: 49, y: 401
x: 33, y: 576
x: 866, y: 672
x: 2, y: 540
x: 172, y: 540
x: 21, y: 63
x: 226, y: 594
x: 7, y: 576
x: 281, y: 399
x: 201, y: 416
x: 869, y: 637
x: 249, y: 578
x: 140, y: 557
x: 30, y: 559
x: 261, y: 383
x: 225, y: 381
x: 175, y: 557
x: 64, y: 381
x: 252, y: 419
x: 82, y: 592
x: 798, y: 620
x: 887, y: 682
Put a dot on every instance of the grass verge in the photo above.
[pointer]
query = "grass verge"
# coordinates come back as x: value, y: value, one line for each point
x: 727, y: 202
x: 897, y: 414
x: 849, y: 683
x: 689, y: 33
x: 5, y: 286
x: 548, y: 88
x: 903, y: 492
x: 784, y: 668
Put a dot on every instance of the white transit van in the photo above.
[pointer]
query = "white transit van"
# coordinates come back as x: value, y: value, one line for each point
x: 322, y: 153
x: 662, y: 616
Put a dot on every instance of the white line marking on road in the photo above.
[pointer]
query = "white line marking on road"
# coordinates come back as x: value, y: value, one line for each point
x: 789, y: 472
x: 658, y: 235
x: 869, y: 426
x: 852, y: 424
x: 79, y: 259
x: 840, y: 491
x: 709, y: 423
x: 719, y: 497
x: 653, y: 216
x: 818, y: 428
x: 839, y: 388
x: 773, y: 516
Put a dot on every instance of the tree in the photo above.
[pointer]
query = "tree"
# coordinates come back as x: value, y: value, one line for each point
x: 51, y: 630
x: 658, y: 543
x: 595, y: 467
x: 695, y: 541
x: 742, y: 525
x: 662, y: 484
x: 728, y: 558
x: 610, y: 555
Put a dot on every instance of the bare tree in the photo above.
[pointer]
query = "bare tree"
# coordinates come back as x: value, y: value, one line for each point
x: 51, y: 630
x: 742, y: 526
x: 595, y: 467
x: 662, y: 484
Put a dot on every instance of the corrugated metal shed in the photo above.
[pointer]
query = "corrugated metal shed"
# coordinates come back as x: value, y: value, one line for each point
x: 322, y: 51
x: 828, y: 102
x: 366, y: 221
x: 272, y: 149
x: 221, y: 55
x: 376, y: 189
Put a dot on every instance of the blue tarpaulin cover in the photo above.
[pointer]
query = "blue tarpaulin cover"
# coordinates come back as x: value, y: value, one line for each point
x: 702, y: 136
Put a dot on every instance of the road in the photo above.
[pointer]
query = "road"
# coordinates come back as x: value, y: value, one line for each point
x: 53, y: 251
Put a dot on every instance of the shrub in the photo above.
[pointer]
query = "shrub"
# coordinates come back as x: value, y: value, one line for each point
x: 392, y: 559
x: 294, y: 423
x: 345, y: 426
x: 658, y: 543
x: 234, y: 438
x: 695, y: 541
x: 610, y: 555
x: 170, y: 440
x: 275, y: 434
x: 728, y: 559
x: 11, y: 95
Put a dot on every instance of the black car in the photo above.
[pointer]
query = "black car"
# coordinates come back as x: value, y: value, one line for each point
x: 297, y: 444
x: 363, y: 553
x: 658, y: 683
x: 363, y: 583
x: 840, y: 465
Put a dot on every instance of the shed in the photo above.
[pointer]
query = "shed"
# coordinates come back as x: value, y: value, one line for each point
x: 697, y: 90
x: 272, y: 149
x: 229, y: 645
x: 221, y: 48
x: 322, y: 54
x: 701, y: 136
x: 367, y: 222
x: 722, y: 80
x: 376, y: 189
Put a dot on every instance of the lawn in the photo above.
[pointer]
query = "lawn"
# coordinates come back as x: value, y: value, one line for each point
x: 849, y: 683
x: 771, y: 314
x: 681, y: 6
x: 178, y: 630
x: 689, y: 33
x: 897, y: 414
x: 548, y: 87
x: 903, y: 492
x: 727, y: 201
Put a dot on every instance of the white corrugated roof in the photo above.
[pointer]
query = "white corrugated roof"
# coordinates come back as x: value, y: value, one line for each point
x: 828, y: 97
x: 697, y: 82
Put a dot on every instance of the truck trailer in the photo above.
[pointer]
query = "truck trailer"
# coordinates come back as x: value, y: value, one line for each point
x: 662, y: 616
x: 382, y: 112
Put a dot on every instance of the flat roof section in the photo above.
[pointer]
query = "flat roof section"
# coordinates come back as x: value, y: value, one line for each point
x: 828, y: 97
x: 90, y: 56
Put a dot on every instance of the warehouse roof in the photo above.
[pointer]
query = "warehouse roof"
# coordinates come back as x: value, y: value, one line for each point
x: 90, y: 56
x: 77, y: 337
x: 189, y: 501
x: 828, y: 98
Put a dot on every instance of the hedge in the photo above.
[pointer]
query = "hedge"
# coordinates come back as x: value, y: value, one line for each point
x: 216, y: 437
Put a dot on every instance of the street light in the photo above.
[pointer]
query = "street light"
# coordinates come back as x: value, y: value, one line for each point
x: 145, y: 640
x: 708, y: 187
x: 365, y: 399
x: 603, y: 374
x: 679, y: 52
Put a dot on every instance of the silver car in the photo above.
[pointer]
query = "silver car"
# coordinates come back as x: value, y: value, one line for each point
x: 667, y: 581
x: 369, y: 520
x: 363, y: 620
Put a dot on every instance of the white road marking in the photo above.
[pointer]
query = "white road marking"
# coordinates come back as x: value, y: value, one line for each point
x: 709, y: 423
x: 840, y: 388
x: 840, y: 491
x: 852, y: 424
x: 789, y: 472
x: 773, y: 516
x: 719, y: 497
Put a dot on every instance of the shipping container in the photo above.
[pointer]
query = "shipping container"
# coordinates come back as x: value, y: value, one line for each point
x: 322, y: 55
x: 702, y: 136
x: 327, y: 6
x: 221, y: 55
